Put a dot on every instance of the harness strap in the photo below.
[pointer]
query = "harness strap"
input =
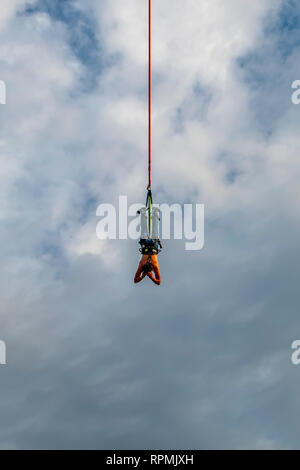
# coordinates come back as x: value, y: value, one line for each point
x: 149, y: 207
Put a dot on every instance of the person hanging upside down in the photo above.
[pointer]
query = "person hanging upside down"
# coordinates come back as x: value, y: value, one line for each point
x: 148, y: 267
x: 150, y: 247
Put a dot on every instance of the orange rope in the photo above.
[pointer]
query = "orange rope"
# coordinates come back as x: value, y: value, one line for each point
x: 149, y: 103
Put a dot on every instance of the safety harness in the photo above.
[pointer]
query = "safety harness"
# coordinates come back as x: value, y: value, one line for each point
x: 150, y: 247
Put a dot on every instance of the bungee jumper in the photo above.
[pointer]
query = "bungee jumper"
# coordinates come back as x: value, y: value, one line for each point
x: 150, y: 216
x: 150, y: 245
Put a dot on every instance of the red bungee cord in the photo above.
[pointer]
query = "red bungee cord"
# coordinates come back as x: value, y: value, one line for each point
x: 149, y: 103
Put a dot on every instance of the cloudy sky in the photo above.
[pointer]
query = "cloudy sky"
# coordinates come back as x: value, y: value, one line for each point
x: 94, y: 361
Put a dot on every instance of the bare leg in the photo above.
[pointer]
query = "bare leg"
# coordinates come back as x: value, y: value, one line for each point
x: 144, y: 223
x: 155, y: 223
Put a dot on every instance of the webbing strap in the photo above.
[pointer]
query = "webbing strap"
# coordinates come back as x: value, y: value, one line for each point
x: 149, y: 207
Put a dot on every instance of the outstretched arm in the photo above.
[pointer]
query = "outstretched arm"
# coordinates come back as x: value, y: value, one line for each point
x: 155, y: 279
x: 139, y: 275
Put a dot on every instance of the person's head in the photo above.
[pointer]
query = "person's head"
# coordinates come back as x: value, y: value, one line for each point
x: 148, y: 267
